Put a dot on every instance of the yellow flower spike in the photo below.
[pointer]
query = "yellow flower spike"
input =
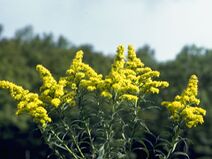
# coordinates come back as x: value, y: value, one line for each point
x: 191, y: 91
x: 132, y: 61
x: 81, y: 75
x: 51, y: 89
x: 78, y: 57
x: 185, y: 106
x: 131, y: 52
x: 144, y: 75
x: 119, y: 59
x: 130, y: 77
x: 46, y: 76
x: 120, y: 52
x: 115, y: 81
x: 28, y: 102
x: 17, y: 92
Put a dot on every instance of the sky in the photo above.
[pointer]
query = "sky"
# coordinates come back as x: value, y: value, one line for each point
x: 165, y: 25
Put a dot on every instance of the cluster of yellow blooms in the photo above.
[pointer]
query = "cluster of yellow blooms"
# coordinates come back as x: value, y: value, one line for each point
x: 51, y: 90
x: 128, y: 80
x: 27, y: 102
x: 79, y: 75
x: 185, y: 106
x: 82, y: 75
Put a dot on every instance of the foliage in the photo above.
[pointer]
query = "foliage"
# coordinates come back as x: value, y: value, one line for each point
x: 83, y: 114
x: 18, y: 59
x: 193, y: 59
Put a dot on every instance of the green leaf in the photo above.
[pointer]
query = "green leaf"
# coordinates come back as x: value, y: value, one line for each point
x: 177, y: 154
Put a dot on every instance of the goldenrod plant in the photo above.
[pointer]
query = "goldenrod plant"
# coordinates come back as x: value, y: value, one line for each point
x: 84, y: 115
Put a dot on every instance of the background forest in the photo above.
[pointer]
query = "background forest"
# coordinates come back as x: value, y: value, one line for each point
x: 19, y: 55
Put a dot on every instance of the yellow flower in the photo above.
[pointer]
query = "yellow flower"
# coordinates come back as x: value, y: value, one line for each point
x: 55, y: 102
x: 133, y: 62
x: 28, y: 102
x: 193, y: 116
x: 185, y: 106
x: 129, y: 97
x: 82, y: 75
x: 119, y: 59
x: 106, y: 94
x: 91, y: 88
x: 130, y: 76
x: 51, y: 89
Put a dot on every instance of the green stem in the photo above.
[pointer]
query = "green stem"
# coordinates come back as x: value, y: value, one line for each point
x: 90, y: 138
x: 108, y: 128
x: 74, y: 139
x: 77, y: 145
x: 67, y: 148
x: 135, y: 110
x: 42, y: 130
x: 135, y: 117
x: 175, y: 140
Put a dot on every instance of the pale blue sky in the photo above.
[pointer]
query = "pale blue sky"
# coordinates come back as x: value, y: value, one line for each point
x: 166, y: 25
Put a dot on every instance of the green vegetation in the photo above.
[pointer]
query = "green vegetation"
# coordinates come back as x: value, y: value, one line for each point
x: 20, y: 54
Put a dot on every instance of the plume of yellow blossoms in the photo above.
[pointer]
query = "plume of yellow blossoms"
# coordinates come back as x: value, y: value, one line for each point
x: 129, y: 78
x: 185, y: 106
x: 114, y: 82
x: 51, y: 90
x: 144, y: 76
x: 81, y: 75
x: 27, y: 102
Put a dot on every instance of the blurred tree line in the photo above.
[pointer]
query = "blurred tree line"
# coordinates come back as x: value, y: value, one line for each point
x: 19, y: 55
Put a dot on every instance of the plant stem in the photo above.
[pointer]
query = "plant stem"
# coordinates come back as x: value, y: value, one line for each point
x: 74, y: 139
x: 77, y: 145
x: 67, y: 148
x: 90, y: 138
x: 175, y: 140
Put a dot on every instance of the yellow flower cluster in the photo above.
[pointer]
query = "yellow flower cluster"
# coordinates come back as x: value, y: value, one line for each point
x: 54, y: 93
x: 129, y: 78
x: 82, y: 75
x: 185, y: 106
x: 51, y: 90
x: 144, y: 75
x: 28, y: 102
